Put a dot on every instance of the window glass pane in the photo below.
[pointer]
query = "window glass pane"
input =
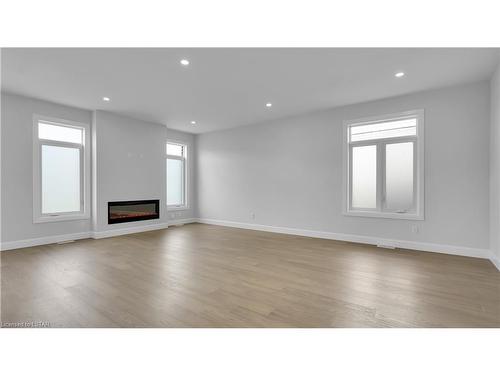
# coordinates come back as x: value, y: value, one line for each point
x: 175, y: 182
x: 390, y: 129
x: 60, y: 179
x: 364, y: 177
x: 175, y: 150
x: 399, y: 176
x: 59, y: 133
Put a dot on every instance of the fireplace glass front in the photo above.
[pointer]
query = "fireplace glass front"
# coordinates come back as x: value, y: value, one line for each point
x: 125, y: 211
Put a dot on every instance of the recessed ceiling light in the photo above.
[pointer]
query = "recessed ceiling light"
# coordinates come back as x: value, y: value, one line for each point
x: 193, y: 122
x: 269, y: 105
x: 184, y: 62
x: 106, y: 99
x: 399, y: 74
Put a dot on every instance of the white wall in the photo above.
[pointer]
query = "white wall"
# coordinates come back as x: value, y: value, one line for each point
x: 289, y: 172
x: 17, y: 168
x: 129, y: 164
x: 495, y: 166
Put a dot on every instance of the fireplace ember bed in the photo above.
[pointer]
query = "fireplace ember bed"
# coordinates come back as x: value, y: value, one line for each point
x: 126, y: 211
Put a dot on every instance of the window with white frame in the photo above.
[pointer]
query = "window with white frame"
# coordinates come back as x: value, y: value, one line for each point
x: 385, y: 166
x: 60, y: 169
x: 176, y: 175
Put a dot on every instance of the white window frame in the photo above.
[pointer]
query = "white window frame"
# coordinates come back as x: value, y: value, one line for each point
x: 185, y: 171
x: 417, y: 213
x: 84, y: 212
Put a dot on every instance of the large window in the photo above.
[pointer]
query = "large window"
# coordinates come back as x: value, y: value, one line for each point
x: 60, y: 169
x: 384, y: 166
x: 176, y: 176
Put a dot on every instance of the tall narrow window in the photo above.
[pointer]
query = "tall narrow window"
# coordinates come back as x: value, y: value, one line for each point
x: 384, y: 166
x: 176, y: 175
x: 59, y: 170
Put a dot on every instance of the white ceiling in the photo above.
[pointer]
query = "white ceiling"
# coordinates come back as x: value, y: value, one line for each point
x: 224, y: 88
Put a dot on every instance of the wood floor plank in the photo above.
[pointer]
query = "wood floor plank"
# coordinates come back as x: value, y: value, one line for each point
x: 210, y: 276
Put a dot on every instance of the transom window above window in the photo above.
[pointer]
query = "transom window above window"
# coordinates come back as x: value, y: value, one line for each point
x: 387, y: 129
x: 59, y: 133
x: 174, y: 149
x: 384, y: 166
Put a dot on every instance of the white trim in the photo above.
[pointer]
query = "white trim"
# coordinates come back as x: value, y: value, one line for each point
x: 11, y: 245
x: 129, y: 230
x: 60, y: 121
x: 61, y: 217
x: 495, y: 261
x: 403, y: 244
x: 384, y: 215
x: 186, y: 172
x: 381, y: 242
x: 94, y: 166
x: 182, y: 221
x: 177, y: 208
x: 384, y: 118
x: 85, y: 161
x: 419, y: 162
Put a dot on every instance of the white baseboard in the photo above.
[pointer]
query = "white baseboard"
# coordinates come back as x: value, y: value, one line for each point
x: 403, y: 244
x: 128, y: 230
x: 496, y: 262
x: 11, y: 245
x: 79, y: 236
x: 412, y: 245
x: 182, y: 221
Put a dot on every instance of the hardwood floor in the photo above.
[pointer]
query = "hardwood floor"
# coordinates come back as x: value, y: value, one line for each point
x: 209, y: 276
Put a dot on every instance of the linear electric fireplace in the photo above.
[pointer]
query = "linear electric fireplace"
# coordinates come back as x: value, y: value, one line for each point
x: 125, y: 211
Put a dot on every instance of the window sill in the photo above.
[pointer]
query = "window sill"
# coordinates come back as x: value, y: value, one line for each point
x: 50, y: 219
x: 177, y: 208
x: 385, y: 215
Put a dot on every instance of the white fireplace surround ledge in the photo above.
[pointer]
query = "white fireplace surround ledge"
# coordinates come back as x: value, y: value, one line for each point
x: 411, y: 245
